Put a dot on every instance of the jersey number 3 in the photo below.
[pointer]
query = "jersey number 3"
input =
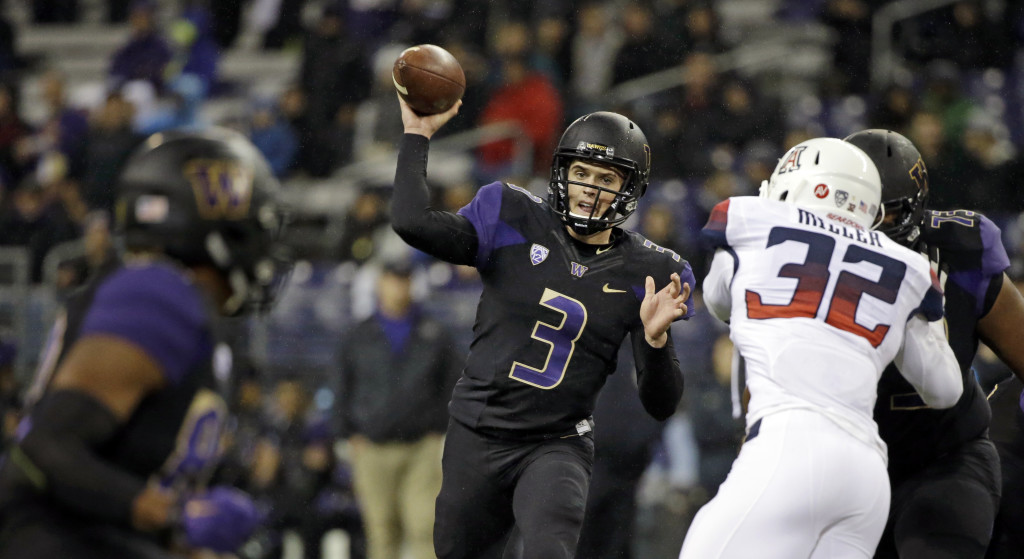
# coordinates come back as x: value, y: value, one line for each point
x: 812, y: 277
x: 562, y: 339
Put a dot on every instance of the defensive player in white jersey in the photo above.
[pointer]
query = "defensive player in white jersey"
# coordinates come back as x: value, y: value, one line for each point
x: 818, y: 304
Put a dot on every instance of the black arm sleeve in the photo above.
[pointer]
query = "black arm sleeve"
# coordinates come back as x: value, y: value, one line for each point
x: 67, y: 428
x: 659, y: 379
x: 445, y: 235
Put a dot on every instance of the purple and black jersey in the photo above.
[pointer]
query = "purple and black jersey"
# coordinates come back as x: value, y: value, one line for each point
x: 155, y: 307
x: 966, y: 251
x: 552, y: 315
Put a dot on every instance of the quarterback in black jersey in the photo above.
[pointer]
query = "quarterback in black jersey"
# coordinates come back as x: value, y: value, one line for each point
x: 562, y: 288
x: 124, y: 419
x: 943, y: 468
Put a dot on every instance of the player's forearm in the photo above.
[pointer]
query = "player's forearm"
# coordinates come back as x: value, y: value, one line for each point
x: 928, y: 363
x: 659, y: 379
x: 441, y: 234
x: 717, y: 295
x: 999, y: 329
x: 58, y: 457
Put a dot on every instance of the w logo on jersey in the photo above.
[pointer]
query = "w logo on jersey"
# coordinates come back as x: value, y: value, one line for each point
x: 223, y: 189
x: 538, y: 254
x: 578, y: 269
x: 792, y: 160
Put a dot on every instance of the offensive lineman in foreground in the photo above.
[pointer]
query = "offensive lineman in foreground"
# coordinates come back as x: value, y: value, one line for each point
x: 818, y: 304
x: 563, y: 286
x: 125, y: 418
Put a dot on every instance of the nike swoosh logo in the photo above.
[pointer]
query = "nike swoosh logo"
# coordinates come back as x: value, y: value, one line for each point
x: 400, y: 89
x: 603, y: 249
x: 607, y: 289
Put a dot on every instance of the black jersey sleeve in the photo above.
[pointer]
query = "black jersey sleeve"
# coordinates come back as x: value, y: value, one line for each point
x: 59, y: 456
x: 441, y: 234
x: 659, y: 379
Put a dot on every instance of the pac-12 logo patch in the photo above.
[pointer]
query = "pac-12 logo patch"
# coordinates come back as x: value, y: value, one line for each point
x: 538, y: 254
x: 821, y: 191
x: 841, y: 197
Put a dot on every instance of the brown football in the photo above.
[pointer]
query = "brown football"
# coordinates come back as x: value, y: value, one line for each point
x: 429, y: 78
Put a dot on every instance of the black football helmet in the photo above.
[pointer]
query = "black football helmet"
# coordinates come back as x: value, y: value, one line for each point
x: 904, y: 181
x: 603, y: 138
x: 207, y: 197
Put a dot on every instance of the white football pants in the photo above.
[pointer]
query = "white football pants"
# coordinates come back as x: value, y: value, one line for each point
x: 801, y: 488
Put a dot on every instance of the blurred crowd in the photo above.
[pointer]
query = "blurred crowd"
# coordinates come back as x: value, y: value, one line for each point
x: 716, y: 129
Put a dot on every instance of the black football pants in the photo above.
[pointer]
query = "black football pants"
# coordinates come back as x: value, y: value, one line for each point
x: 947, y: 510
x: 492, y: 484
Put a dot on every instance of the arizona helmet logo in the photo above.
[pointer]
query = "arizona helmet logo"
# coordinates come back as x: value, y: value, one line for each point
x: 538, y: 254
x: 792, y: 161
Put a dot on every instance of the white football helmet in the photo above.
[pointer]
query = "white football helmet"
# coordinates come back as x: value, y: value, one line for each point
x: 828, y: 175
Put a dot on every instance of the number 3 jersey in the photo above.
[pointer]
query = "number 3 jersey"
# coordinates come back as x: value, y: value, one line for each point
x: 819, y: 306
x: 552, y: 315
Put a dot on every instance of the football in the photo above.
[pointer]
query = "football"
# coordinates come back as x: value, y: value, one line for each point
x: 429, y: 78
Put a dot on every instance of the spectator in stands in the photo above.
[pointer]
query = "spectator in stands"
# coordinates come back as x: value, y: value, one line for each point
x: 180, y: 107
x: 195, y: 51
x: 335, y: 77
x: 851, y: 21
x: 108, y: 144
x: 273, y: 136
x: 644, y: 50
x: 294, y: 109
x: 398, y: 369
x: 594, y: 47
x: 685, y: 118
x: 64, y: 129
x: 146, y: 54
x: 99, y: 256
x: 366, y: 223
x: 552, y: 53
x: 710, y: 407
x: 944, y: 95
x: 476, y: 67
x: 989, y: 164
x: 971, y: 34
x: 743, y: 114
x: 377, y: 124
x: 34, y: 218
x: 928, y: 132
x: 522, y: 96
x: 702, y: 28
x: 293, y: 462
x: 894, y: 109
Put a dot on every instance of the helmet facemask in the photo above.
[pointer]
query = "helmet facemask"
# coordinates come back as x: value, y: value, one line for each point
x: 605, y: 139
x: 904, y: 181
x: 255, y: 264
x: 623, y: 204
